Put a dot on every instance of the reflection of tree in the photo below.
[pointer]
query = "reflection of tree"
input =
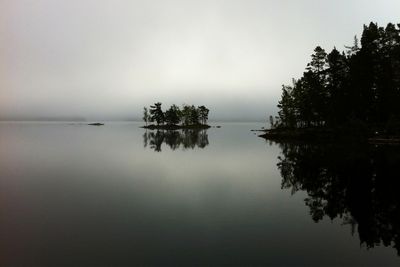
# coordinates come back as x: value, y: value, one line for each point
x: 145, y: 139
x: 357, y: 183
x: 188, y: 138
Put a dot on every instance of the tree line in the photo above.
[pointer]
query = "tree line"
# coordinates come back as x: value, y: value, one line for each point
x: 187, y: 115
x: 359, y: 87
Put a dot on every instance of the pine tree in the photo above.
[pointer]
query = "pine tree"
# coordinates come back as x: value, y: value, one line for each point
x: 146, y: 115
x: 156, y: 113
x: 203, y: 114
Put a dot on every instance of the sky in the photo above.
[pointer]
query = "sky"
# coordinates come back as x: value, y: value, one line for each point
x: 106, y: 59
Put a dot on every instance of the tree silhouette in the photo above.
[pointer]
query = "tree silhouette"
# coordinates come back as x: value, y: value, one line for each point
x: 203, y: 114
x: 146, y: 115
x: 194, y: 115
x: 357, y: 89
x: 186, y: 113
x: 173, y: 115
x: 156, y: 113
x: 189, y: 115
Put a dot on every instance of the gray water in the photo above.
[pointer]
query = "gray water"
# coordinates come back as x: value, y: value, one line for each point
x: 81, y: 195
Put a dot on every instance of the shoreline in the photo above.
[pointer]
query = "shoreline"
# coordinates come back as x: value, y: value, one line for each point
x: 327, y: 136
x: 177, y: 127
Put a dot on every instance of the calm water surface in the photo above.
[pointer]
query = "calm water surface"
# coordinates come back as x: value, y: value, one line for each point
x: 117, y: 195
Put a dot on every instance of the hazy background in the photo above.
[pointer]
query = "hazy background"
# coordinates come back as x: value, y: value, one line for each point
x: 104, y: 59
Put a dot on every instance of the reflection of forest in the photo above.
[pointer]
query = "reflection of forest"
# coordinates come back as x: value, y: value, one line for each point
x: 357, y: 183
x: 184, y: 139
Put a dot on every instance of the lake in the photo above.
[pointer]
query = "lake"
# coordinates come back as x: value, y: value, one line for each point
x: 118, y: 195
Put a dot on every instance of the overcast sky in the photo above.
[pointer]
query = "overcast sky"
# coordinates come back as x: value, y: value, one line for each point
x: 106, y: 59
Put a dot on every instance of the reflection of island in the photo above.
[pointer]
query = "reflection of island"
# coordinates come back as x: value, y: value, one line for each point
x: 175, y: 139
x: 359, y: 184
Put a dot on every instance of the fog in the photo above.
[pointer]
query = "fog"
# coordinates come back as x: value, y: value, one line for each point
x: 103, y: 59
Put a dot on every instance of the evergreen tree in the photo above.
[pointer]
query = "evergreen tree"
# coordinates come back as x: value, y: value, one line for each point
x: 194, y: 115
x: 337, y: 83
x: 146, y: 115
x: 318, y: 62
x: 173, y: 115
x: 362, y: 87
x: 352, y: 50
x: 203, y: 114
x: 156, y: 113
x: 286, y: 108
x: 186, y: 115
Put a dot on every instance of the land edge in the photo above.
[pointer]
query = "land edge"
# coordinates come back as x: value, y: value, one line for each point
x: 326, y: 135
x: 178, y: 127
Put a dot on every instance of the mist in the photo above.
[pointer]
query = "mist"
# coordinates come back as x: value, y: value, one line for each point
x: 99, y: 59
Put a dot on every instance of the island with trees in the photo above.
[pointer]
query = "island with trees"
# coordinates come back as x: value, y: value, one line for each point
x: 355, y: 93
x: 175, y: 118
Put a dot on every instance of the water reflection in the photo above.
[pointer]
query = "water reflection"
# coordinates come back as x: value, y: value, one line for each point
x: 185, y: 139
x: 357, y: 183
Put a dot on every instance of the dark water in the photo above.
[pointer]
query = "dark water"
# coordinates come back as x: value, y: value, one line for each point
x: 113, y: 195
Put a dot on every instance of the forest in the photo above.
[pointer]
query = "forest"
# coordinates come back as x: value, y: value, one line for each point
x: 353, y: 91
x: 188, y: 116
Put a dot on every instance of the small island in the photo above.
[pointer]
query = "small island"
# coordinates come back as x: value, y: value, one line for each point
x: 175, y: 118
x: 350, y: 95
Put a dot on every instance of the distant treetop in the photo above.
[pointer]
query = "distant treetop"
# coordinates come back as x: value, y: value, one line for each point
x: 188, y: 115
